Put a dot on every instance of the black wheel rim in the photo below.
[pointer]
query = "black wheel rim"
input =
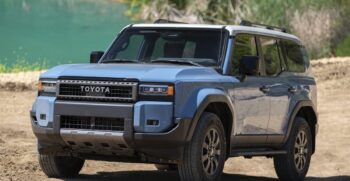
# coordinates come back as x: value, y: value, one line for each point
x: 211, y: 151
x: 300, y: 151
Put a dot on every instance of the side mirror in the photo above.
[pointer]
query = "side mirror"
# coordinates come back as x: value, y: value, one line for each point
x: 248, y: 66
x: 95, y: 56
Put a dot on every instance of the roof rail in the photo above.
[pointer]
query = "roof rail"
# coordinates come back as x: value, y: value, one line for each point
x: 248, y: 23
x: 159, y: 21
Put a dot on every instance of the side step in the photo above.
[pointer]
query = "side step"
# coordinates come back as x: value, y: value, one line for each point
x: 256, y: 152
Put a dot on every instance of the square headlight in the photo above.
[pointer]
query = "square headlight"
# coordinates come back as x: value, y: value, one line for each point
x: 156, y: 90
x: 47, y: 88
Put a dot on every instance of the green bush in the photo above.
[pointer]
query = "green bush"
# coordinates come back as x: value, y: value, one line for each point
x: 343, y: 49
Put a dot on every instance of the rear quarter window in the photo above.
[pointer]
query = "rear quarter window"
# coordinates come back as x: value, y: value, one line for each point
x: 296, y: 56
x: 272, y: 55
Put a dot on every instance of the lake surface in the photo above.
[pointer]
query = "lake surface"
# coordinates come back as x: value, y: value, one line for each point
x: 54, y: 32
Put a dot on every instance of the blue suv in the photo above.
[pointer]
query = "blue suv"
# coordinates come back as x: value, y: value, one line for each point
x: 185, y: 97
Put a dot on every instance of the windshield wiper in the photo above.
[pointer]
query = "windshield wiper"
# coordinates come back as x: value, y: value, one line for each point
x: 120, y: 61
x: 176, y: 61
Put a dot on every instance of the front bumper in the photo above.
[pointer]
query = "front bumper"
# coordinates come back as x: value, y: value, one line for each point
x: 162, y: 143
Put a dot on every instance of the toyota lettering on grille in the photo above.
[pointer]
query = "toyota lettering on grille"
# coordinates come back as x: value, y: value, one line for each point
x: 95, y: 90
x: 108, y: 91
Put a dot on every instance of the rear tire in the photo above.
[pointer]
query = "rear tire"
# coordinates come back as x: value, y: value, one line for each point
x: 60, y: 166
x: 205, y: 155
x: 166, y: 167
x: 295, y: 164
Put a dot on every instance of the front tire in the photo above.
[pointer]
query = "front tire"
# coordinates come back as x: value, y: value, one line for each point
x: 295, y: 164
x: 204, y: 157
x: 60, y: 166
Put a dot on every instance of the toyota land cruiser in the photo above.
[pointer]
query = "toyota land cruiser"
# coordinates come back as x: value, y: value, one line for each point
x: 185, y: 97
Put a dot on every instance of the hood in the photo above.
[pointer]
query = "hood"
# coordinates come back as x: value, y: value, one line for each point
x: 142, y: 72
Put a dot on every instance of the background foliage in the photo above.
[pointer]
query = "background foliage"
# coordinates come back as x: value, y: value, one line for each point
x: 322, y: 25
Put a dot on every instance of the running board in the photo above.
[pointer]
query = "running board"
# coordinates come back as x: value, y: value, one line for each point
x: 256, y: 152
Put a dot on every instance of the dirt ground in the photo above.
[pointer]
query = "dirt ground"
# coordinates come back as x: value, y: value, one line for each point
x: 331, y: 162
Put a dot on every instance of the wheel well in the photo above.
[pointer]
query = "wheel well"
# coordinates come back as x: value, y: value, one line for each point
x: 309, y: 114
x: 224, y: 113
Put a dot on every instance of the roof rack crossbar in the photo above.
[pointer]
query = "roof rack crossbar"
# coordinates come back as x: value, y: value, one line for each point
x: 159, y: 21
x: 248, y: 23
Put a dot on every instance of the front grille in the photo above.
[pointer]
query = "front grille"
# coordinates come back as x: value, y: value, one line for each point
x: 97, y: 90
x: 92, y: 123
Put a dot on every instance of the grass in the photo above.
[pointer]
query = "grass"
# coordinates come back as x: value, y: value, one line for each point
x: 22, y: 65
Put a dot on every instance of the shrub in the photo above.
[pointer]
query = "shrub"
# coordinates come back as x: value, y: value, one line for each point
x: 343, y: 49
x: 315, y: 29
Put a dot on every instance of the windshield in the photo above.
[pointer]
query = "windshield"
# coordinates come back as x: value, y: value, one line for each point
x: 190, y: 47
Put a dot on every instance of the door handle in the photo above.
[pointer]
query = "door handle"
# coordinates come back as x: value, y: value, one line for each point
x: 264, y: 89
x: 293, y: 89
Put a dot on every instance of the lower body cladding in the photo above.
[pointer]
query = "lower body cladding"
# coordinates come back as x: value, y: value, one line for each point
x: 141, y: 132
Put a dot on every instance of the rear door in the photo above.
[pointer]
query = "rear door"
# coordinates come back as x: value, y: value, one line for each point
x: 296, y: 86
x: 251, y: 104
x: 276, y: 87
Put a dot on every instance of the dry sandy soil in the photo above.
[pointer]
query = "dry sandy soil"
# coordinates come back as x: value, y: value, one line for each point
x: 18, y: 157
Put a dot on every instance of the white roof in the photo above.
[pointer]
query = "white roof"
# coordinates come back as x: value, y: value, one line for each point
x: 177, y: 25
x: 233, y: 29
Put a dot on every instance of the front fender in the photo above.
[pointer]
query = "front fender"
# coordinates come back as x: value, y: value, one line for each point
x: 200, y: 102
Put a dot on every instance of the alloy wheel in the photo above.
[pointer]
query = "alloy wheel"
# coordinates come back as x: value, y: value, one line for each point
x: 211, y: 151
x: 300, y: 151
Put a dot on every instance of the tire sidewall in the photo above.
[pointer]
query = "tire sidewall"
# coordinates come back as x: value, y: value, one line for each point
x: 209, y: 121
x: 60, y: 166
x: 300, y: 125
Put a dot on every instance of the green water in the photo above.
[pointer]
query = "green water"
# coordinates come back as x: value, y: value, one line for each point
x: 55, y: 32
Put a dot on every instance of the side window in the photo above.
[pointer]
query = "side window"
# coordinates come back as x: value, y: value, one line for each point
x: 305, y: 57
x: 296, y: 56
x: 243, y: 45
x: 129, y: 47
x: 271, y: 54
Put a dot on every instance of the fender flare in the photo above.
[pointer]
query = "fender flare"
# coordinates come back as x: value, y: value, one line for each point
x: 296, y: 109
x: 213, y: 98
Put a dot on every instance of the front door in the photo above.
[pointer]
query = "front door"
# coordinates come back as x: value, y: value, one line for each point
x: 252, y: 107
x: 250, y: 102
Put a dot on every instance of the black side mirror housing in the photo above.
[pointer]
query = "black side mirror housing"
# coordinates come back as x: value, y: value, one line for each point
x: 248, y: 66
x: 95, y: 56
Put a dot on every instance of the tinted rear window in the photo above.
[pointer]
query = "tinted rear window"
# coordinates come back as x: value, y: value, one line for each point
x: 271, y: 53
x: 296, y: 56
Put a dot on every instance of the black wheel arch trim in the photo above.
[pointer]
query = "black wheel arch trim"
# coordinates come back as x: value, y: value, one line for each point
x: 217, y: 98
x: 301, y: 104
